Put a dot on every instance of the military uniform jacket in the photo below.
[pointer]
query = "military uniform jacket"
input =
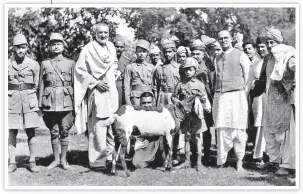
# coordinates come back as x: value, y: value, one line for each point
x: 55, y: 93
x: 23, y: 101
x: 185, y: 90
x: 166, y: 77
x: 138, y: 78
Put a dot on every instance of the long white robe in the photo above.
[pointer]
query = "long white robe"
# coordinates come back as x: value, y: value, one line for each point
x: 93, y: 108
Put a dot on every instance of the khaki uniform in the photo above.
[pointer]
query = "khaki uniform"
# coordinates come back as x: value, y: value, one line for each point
x: 56, y: 96
x: 166, y: 78
x: 137, y: 79
x: 22, y: 93
x: 191, y: 126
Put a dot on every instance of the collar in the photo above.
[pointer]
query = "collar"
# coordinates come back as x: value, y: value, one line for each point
x: 143, y: 63
x: 228, y: 50
x: 22, y: 65
x: 173, y: 63
x: 58, y: 58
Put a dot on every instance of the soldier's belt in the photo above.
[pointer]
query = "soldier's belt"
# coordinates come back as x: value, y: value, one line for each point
x: 141, y: 88
x: 24, y: 86
x: 56, y: 83
x: 167, y: 90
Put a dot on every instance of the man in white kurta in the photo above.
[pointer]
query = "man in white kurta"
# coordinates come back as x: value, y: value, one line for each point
x: 230, y: 109
x: 96, y: 96
x: 257, y: 103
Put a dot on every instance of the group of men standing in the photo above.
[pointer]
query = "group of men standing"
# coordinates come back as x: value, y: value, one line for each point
x: 107, y: 75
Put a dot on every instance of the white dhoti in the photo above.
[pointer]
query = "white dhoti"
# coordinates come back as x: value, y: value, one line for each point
x: 100, y: 140
x: 230, y: 110
x: 230, y: 120
x: 230, y: 138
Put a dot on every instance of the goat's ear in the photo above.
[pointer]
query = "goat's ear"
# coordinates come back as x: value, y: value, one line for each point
x: 136, y: 131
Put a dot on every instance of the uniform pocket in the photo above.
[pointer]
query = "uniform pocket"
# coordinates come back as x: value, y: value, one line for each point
x: 67, y: 76
x: 68, y: 97
x: 32, y: 98
x: 47, y: 98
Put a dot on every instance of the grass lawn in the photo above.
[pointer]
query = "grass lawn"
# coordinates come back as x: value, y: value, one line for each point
x: 80, y: 174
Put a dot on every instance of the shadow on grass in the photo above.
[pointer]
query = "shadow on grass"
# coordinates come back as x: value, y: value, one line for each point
x: 273, y: 179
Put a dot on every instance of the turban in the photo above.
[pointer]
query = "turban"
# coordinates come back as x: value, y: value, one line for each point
x: 215, y: 45
x: 181, y: 49
x: 274, y: 34
x: 207, y: 40
x: 154, y: 49
x: 168, y: 44
x: 119, y: 41
x: 174, y: 38
x: 197, y: 45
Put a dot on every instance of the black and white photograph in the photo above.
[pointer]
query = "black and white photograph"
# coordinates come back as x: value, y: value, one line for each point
x: 151, y: 95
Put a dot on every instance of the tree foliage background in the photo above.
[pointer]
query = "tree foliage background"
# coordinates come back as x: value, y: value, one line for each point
x: 152, y: 24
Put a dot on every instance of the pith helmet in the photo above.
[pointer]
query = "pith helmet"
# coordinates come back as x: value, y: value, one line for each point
x: 57, y: 36
x: 190, y: 62
x: 19, y: 39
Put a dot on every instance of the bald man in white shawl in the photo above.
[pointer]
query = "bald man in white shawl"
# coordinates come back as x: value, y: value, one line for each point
x: 96, y: 96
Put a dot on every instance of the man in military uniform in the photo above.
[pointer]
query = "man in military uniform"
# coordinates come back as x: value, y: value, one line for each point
x: 193, y: 125
x: 204, y: 74
x: 138, y: 75
x: 23, y: 78
x: 166, y: 75
x: 56, y: 98
x: 125, y: 56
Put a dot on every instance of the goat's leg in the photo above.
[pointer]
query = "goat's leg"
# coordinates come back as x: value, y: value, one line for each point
x: 169, y: 138
x: 122, y: 157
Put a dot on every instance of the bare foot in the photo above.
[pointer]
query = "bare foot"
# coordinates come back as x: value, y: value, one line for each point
x: 240, y: 169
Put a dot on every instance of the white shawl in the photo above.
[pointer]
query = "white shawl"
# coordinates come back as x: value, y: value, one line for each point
x: 92, y: 65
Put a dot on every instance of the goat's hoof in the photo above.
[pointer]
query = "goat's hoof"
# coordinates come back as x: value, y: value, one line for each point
x: 127, y: 175
x: 111, y: 173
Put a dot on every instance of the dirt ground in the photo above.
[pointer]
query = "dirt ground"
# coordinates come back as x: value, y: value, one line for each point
x: 81, y: 175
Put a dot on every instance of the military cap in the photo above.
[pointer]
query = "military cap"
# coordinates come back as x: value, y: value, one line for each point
x: 206, y: 40
x: 168, y: 44
x: 190, y: 62
x: 154, y: 49
x: 143, y: 44
x: 57, y: 36
x: 19, y: 39
x: 197, y: 45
